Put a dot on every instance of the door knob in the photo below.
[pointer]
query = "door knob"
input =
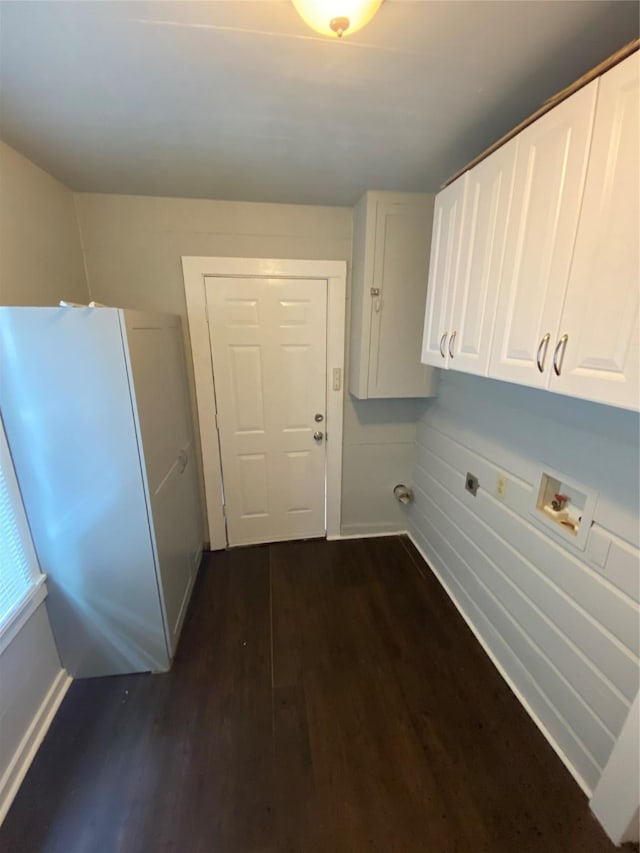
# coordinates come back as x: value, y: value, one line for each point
x: 318, y: 418
x: 318, y: 436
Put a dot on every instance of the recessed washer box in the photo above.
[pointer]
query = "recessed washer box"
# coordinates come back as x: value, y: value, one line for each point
x: 564, y: 505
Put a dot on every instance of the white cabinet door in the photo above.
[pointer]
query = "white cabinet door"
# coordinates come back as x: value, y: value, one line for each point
x: 268, y: 342
x: 599, y: 327
x: 156, y: 361
x: 391, y: 243
x: 400, y: 271
x: 549, y: 180
x: 486, y: 209
x: 443, y: 271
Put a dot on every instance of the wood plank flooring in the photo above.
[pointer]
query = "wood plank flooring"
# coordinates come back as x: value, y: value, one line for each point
x: 326, y: 698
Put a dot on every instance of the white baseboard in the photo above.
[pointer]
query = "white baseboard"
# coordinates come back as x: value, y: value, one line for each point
x: 375, y: 535
x: 523, y: 701
x: 33, y: 737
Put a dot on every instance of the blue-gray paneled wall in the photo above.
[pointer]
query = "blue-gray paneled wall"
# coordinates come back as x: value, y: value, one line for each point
x: 561, y: 623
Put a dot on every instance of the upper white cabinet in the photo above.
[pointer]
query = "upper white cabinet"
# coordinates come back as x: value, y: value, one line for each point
x: 388, y: 292
x: 466, y: 261
x: 535, y: 260
x: 443, y: 270
x: 597, y: 344
x: 551, y: 165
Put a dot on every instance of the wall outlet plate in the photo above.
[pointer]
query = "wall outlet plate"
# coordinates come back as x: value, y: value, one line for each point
x: 471, y: 484
x: 501, y: 485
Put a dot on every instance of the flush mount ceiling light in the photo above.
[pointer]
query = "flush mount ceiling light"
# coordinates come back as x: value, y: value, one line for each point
x: 336, y: 17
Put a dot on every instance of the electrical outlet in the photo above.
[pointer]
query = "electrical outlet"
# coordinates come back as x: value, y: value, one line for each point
x: 501, y: 485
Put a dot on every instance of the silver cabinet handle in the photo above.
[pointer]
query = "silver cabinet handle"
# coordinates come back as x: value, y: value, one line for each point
x: 451, y: 340
x: 561, y: 345
x: 442, y: 341
x: 543, y: 343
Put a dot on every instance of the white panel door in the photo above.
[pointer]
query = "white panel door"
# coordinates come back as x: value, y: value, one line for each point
x: 599, y: 327
x: 268, y: 345
x: 549, y: 180
x: 443, y: 271
x: 489, y: 187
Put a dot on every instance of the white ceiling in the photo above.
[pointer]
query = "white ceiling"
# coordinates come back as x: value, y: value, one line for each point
x: 239, y: 100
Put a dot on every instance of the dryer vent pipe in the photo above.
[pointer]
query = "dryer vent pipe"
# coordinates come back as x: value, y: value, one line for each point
x: 403, y: 493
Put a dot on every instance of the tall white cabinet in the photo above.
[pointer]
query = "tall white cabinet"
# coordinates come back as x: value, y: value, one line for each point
x: 388, y: 293
x: 535, y: 258
x: 96, y: 411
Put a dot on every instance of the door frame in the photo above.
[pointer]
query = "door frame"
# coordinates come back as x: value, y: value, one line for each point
x: 334, y: 274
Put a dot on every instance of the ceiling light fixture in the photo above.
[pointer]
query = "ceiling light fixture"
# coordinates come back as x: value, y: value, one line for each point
x: 336, y: 17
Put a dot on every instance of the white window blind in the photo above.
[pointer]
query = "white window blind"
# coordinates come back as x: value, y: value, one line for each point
x: 19, y: 571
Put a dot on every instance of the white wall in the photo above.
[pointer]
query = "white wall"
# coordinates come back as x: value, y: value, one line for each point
x: 33, y: 685
x: 615, y: 799
x: 40, y: 252
x: 133, y: 246
x: 40, y: 263
x: 561, y: 623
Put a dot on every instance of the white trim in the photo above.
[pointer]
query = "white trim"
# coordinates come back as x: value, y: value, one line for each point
x: 29, y: 604
x: 368, y: 535
x: 523, y: 701
x: 335, y: 274
x: 33, y: 737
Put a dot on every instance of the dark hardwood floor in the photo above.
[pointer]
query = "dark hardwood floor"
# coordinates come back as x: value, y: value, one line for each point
x: 326, y: 698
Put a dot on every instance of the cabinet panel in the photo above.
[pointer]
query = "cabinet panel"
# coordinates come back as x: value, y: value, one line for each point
x: 600, y: 317
x: 173, y: 527
x: 360, y: 302
x: 156, y: 362
x: 486, y: 210
x: 391, y: 243
x: 443, y: 270
x: 156, y: 356
x: 401, y: 266
x: 548, y: 185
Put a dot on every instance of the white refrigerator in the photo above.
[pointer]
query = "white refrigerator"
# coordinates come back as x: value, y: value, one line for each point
x: 96, y: 409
